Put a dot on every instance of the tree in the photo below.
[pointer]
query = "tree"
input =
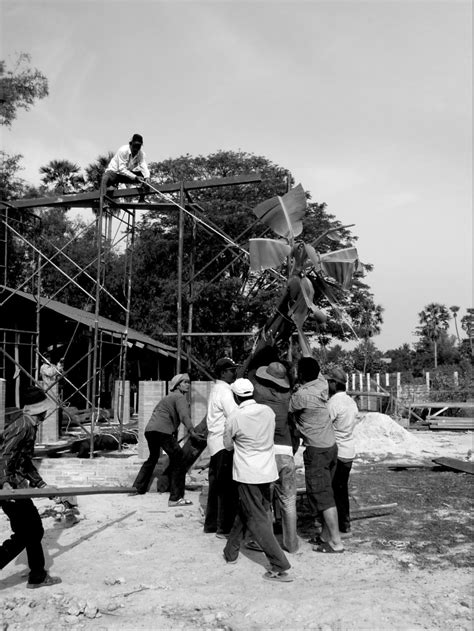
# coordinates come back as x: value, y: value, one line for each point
x: 434, y: 320
x: 62, y: 176
x: 11, y: 185
x: 402, y: 358
x: 367, y: 357
x: 95, y: 170
x: 19, y: 88
x: 454, y: 310
x: 367, y: 319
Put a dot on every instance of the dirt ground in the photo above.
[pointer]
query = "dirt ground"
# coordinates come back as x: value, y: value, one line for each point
x: 133, y: 563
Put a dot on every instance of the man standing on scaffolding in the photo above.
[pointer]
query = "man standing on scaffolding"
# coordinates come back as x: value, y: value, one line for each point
x: 127, y: 166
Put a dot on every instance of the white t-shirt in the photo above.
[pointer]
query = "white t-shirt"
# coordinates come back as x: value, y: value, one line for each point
x: 219, y: 406
x: 342, y: 412
x: 251, y: 427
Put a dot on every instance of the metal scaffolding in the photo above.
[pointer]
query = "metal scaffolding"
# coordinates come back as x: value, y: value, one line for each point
x: 114, y: 227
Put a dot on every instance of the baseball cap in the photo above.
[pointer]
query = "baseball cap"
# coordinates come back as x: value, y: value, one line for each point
x: 242, y: 387
x: 223, y: 363
x: 137, y: 138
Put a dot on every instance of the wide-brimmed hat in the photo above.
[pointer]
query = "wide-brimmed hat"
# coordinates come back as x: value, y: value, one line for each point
x: 242, y: 387
x: 274, y: 372
x: 35, y: 401
x: 336, y: 374
x: 177, y: 379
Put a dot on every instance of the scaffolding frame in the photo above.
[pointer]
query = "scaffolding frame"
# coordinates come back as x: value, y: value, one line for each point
x: 111, y: 207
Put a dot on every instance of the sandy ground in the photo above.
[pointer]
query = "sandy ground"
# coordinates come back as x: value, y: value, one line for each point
x: 133, y: 563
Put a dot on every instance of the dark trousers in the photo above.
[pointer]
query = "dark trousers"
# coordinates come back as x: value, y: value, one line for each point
x: 27, y: 533
x: 177, y: 469
x: 110, y: 178
x: 254, y: 515
x: 340, y: 485
x: 222, y: 498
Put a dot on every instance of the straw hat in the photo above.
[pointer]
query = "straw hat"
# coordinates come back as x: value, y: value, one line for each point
x: 274, y: 372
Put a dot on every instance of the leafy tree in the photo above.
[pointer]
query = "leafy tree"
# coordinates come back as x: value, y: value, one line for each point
x: 367, y: 357
x: 62, y: 176
x: 434, y: 320
x: 19, y: 88
x: 402, y: 358
x: 11, y: 185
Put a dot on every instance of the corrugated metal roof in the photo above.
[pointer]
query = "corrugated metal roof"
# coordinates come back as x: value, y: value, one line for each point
x: 88, y: 319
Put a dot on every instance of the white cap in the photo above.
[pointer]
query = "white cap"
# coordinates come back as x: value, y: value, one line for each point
x: 242, y: 387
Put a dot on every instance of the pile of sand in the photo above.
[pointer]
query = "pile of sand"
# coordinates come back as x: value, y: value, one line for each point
x: 378, y: 434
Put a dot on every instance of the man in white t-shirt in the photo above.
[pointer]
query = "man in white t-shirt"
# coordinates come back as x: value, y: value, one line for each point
x: 249, y: 431
x: 222, y: 497
x: 342, y: 411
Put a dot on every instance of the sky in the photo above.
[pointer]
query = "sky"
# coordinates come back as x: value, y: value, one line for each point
x: 368, y: 104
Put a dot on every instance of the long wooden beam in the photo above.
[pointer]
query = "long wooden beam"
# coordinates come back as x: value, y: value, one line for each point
x: 85, y: 200
x: 21, y: 494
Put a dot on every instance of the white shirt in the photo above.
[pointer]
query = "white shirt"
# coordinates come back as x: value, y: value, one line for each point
x: 221, y: 403
x: 342, y: 412
x: 124, y: 163
x: 251, y: 428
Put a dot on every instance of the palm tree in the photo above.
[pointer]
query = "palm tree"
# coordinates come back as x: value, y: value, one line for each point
x: 370, y: 322
x: 95, y: 170
x: 434, y: 321
x: 454, y: 310
x: 62, y: 175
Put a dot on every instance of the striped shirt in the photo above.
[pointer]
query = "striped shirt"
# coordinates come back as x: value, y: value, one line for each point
x: 16, y: 454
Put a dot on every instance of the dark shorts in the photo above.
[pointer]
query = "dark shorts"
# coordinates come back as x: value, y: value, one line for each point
x: 320, y: 467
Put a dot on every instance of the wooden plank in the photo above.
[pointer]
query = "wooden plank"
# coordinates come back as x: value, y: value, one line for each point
x: 442, y: 404
x: 440, y: 419
x: 21, y: 494
x: 456, y: 464
x: 447, y: 428
x: 88, y: 199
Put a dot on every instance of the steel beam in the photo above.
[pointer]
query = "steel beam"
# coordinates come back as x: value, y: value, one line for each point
x: 85, y: 200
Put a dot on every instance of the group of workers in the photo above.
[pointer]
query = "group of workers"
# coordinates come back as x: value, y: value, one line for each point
x: 255, y: 425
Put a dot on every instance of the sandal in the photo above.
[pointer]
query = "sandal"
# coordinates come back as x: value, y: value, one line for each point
x: 179, y: 503
x: 277, y: 577
x: 327, y: 548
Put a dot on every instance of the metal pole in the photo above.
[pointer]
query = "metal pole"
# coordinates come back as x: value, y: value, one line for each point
x: 38, y: 309
x: 179, y: 306
x: 129, y: 254
x: 191, y: 291
x: 95, y: 349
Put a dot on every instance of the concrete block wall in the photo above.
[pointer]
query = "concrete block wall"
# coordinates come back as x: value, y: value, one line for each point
x: 48, y: 430
x: 149, y: 394
x: 118, y: 403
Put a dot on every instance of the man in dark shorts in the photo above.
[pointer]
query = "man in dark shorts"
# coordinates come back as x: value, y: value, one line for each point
x: 308, y: 404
